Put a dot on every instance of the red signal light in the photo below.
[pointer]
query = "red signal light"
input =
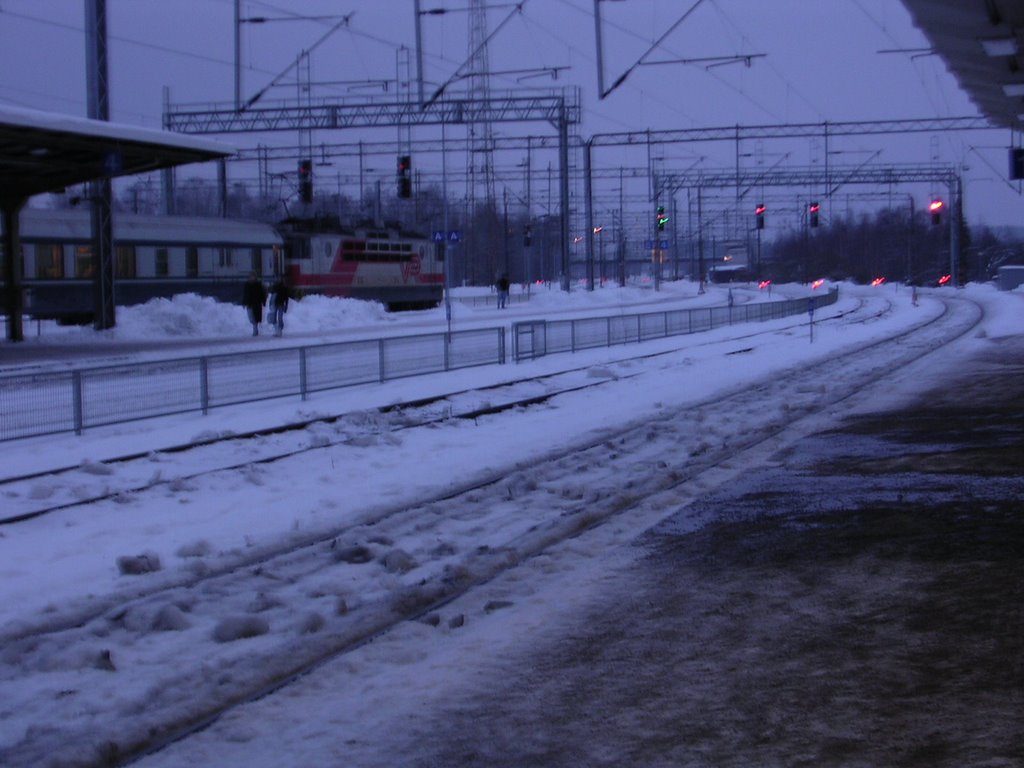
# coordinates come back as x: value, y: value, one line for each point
x: 306, y: 180
x: 404, y: 176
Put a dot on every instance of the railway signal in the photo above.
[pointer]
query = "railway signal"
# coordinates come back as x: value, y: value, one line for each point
x: 936, y: 207
x: 812, y: 212
x: 405, y: 176
x: 662, y: 218
x: 306, y: 181
x: 759, y: 212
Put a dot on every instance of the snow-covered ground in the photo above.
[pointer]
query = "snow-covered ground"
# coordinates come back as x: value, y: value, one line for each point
x: 95, y: 654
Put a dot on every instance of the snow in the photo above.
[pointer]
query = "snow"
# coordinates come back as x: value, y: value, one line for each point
x: 62, y: 123
x: 112, y: 677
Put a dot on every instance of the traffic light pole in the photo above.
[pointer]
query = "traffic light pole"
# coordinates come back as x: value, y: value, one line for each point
x: 700, y: 239
x: 589, y: 203
x: 759, y: 255
x: 956, y: 209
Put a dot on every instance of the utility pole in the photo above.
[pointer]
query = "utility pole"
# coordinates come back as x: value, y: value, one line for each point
x: 700, y: 239
x: 102, y: 191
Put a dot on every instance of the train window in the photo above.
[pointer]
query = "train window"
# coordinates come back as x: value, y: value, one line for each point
x: 192, y: 261
x: 298, y: 248
x: 225, y: 257
x: 49, y: 261
x: 124, y: 260
x: 83, y: 261
x: 163, y: 263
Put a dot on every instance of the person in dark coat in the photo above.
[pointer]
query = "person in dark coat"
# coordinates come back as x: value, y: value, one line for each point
x: 253, y: 297
x: 502, y: 286
x: 279, y: 295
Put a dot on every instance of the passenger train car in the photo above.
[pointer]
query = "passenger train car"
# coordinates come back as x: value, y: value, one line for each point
x: 160, y: 256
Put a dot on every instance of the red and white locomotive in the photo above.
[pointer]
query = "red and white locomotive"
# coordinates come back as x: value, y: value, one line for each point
x: 400, y: 269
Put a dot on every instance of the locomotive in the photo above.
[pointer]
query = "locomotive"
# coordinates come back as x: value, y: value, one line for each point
x: 401, y: 270
x: 160, y: 256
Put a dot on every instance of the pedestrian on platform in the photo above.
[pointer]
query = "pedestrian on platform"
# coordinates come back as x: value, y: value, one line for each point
x: 254, y: 295
x: 502, y: 286
x: 279, y: 295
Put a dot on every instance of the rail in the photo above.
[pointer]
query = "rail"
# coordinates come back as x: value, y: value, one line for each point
x: 38, y: 404
x: 536, y: 338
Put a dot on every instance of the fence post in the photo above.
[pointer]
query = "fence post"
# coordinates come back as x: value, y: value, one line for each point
x: 76, y: 395
x: 380, y: 360
x: 302, y: 372
x: 204, y: 385
x: 448, y: 351
x: 501, y: 346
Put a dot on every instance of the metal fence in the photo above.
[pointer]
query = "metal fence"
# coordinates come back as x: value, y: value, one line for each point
x: 535, y: 338
x: 490, y: 299
x: 48, y: 403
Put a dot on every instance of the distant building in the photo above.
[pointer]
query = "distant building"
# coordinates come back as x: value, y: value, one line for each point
x: 731, y: 253
x: 731, y: 262
x: 1010, y: 276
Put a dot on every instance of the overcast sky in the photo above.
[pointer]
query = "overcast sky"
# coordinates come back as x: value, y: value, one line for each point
x: 820, y: 61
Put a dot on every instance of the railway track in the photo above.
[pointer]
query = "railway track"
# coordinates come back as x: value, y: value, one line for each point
x: 556, y: 497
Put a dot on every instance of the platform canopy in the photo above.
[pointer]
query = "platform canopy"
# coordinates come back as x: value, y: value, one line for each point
x: 982, y: 43
x: 47, y: 152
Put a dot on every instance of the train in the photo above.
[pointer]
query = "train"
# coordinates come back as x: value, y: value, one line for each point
x: 161, y: 256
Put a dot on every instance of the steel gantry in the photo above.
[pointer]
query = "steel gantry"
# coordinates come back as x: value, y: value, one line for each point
x: 829, y: 177
x: 809, y: 175
x: 839, y: 176
x: 560, y: 109
x: 336, y: 114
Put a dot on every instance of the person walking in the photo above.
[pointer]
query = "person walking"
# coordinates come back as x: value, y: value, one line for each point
x: 253, y: 297
x: 279, y: 295
x: 502, y: 287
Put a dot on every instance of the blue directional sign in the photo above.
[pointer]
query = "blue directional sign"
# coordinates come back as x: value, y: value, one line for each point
x: 455, y: 235
x: 663, y: 245
x: 648, y: 244
x: 437, y: 236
